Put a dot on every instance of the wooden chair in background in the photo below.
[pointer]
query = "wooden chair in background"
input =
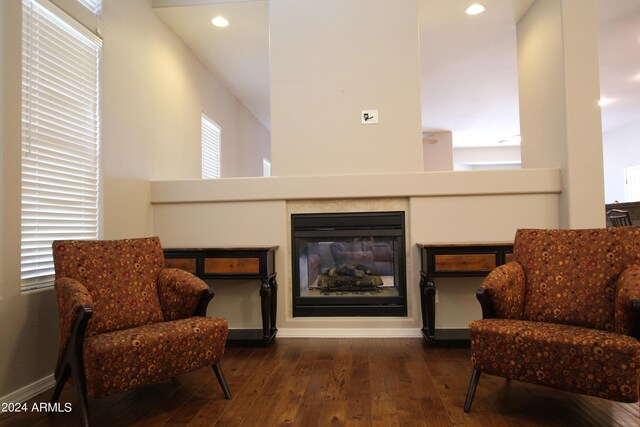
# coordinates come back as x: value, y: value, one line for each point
x: 619, y: 218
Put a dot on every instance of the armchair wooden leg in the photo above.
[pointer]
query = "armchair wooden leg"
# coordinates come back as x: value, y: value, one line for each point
x: 80, y: 388
x: 222, y: 381
x: 71, y: 364
x: 475, y: 377
x: 81, y: 394
x: 60, y: 382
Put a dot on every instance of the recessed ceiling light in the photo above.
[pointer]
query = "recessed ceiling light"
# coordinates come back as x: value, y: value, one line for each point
x: 219, y: 21
x: 474, y: 9
x: 605, y: 101
x: 637, y: 77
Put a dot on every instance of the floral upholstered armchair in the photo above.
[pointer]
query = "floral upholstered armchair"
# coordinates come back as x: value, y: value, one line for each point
x: 564, y: 314
x: 126, y: 321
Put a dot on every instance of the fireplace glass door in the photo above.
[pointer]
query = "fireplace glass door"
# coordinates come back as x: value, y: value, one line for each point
x: 349, y: 264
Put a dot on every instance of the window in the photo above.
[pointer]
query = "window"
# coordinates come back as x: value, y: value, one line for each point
x: 266, y: 167
x: 93, y: 5
x: 60, y: 137
x: 210, y: 148
x: 632, y: 184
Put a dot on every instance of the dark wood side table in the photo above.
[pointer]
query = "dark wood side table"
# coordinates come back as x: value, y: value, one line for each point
x: 236, y: 263
x: 454, y: 260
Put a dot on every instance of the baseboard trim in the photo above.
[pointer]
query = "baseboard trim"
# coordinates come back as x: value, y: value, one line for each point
x: 349, y: 333
x: 27, y: 392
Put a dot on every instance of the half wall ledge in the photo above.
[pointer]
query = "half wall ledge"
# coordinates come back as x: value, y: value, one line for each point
x: 419, y: 184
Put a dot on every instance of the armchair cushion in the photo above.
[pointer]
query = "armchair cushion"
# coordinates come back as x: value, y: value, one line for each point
x: 571, y: 358
x: 505, y: 285
x: 628, y: 290
x: 121, y: 360
x: 121, y: 277
x: 571, y: 274
x: 179, y: 292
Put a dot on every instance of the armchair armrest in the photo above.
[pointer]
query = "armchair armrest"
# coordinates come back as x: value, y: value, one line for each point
x: 182, y: 294
x: 75, y: 308
x: 485, y: 303
x: 501, y: 294
x: 627, y: 303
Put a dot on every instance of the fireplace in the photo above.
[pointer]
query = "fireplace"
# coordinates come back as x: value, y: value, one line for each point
x: 349, y: 264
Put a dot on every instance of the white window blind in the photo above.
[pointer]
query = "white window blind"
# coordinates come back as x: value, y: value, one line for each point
x: 266, y: 167
x: 210, y: 148
x: 93, y: 5
x: 60, y: 136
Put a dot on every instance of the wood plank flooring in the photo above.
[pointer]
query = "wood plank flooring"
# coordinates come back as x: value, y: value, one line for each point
x: 339, y: 382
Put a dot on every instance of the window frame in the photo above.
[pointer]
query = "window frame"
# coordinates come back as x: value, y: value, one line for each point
x: 74, y: 145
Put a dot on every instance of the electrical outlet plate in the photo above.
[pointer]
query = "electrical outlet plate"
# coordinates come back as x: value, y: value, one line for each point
x: 369, y: 117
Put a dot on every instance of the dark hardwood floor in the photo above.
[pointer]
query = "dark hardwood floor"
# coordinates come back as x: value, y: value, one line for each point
x: 339, y: 382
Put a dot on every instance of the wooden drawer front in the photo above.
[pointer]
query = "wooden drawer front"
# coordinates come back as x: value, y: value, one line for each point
x: 508, y: 257
x: 187, y: 264
x: 465, y: 262
x: 231, y: 265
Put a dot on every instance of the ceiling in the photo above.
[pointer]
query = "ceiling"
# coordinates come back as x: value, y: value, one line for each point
x: 469, y: 63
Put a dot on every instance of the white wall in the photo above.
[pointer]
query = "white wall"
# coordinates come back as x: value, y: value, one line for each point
x: 437, y: 151
x: 331, y: 59
x: 227, y: 224
x: 470, y: 158
x: 559, y: 88
x: 621, y: 149
x: 153, y: 92
x: 470, y: 219
x: 539, y: 36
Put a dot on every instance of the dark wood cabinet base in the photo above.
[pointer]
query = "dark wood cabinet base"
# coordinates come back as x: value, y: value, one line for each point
x: 453, y: 260
x: 236, y: 263
x: 448, y: 338
x: 249, y: 338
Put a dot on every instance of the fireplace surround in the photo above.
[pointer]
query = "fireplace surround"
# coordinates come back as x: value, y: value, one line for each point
x: 349, y: 264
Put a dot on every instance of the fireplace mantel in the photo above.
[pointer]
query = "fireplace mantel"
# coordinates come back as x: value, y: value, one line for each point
x: 421, y: 184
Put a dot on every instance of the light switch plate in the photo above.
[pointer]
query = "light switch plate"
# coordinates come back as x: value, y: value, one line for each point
x: 369, y: 117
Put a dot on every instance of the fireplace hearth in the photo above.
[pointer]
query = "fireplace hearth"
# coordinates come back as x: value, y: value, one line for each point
x: 349, y: 264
